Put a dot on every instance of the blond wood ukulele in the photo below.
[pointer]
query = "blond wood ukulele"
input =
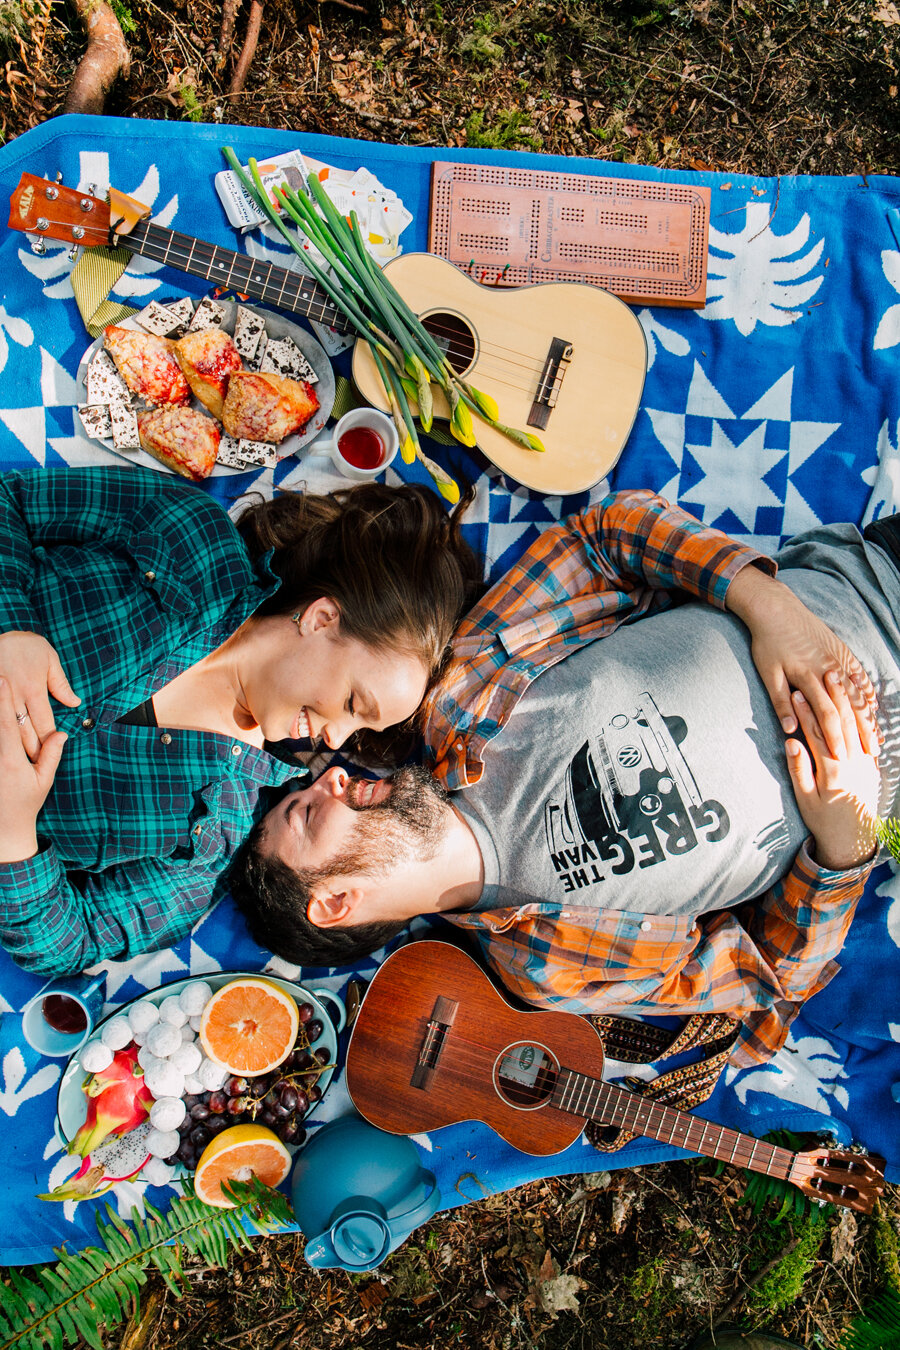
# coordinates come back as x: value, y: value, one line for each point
x: 564, y: 359
x: 435, y: 1044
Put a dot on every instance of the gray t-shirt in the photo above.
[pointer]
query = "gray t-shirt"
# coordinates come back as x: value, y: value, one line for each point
x: 647, y: 772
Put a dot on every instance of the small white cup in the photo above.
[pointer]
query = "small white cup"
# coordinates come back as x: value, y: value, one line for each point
x: 372, y: 419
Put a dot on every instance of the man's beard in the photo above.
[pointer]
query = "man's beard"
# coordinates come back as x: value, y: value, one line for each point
x: 409, y: 824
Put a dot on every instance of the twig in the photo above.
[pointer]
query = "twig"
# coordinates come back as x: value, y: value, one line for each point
x: 752, y: 1283
x: 226, y: 33
x: 249, y: 48
x: 107, y: 57
x: 248, y: 1331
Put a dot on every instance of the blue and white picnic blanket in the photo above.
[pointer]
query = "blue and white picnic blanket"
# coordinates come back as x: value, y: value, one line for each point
x: 773, y: 409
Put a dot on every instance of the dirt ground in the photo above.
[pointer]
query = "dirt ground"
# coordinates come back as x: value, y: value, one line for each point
x: 629, y: 1259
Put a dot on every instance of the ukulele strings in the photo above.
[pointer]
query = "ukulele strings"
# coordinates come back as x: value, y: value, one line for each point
x: 199, y: 257
x: 616, y: 1104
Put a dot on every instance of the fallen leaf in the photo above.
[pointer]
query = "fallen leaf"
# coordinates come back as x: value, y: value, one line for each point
x: 574, y: 112
x: 843, y: 1238
x: 887, y: 13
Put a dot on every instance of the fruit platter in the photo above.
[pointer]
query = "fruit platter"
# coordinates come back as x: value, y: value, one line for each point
x: 211, y: 1076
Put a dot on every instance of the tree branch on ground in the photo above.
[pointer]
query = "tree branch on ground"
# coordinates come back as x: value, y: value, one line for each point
x: 107, y: 57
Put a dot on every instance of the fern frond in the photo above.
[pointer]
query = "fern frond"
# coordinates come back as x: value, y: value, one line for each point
x: 877, y: 1327
x: 761, y: 1188
x: 887, y: 832
x: 101, y: 1285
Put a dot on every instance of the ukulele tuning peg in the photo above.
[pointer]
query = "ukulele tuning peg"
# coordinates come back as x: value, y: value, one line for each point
x: 59, y: 175
x: 73, y: 252
x: 38, y: 245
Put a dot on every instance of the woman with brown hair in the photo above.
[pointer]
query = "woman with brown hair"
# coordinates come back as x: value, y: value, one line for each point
x: 180, y: 651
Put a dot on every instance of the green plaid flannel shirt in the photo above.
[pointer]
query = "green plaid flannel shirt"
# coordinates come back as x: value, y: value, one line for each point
x: 132, y: 576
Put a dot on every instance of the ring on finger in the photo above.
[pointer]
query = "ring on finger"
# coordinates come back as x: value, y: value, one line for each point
x: 22, y: 718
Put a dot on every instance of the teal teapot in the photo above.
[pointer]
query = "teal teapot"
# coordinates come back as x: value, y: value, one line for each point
x: 359, y: 1192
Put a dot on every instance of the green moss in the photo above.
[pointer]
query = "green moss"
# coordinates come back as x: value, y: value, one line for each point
x: 193, y: 110
x: 887, y: 1250
x: 505, y: 133
x: 784, y: 1284
x: 649, y: 1297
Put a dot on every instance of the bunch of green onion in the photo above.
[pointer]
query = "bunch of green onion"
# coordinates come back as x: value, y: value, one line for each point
x: 405, y: 353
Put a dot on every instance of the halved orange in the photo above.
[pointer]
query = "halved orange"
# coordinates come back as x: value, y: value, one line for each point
x: 249, y: 1026
x: 237, y: 1154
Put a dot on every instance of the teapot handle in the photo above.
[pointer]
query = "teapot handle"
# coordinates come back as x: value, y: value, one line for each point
x: 411, y: 1218
x: 338, y: 1003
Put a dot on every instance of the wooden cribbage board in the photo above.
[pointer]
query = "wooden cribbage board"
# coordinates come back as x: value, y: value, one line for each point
x: 644, y: 241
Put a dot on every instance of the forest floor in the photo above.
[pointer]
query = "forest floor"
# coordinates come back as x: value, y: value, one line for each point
x: 649, y: 1258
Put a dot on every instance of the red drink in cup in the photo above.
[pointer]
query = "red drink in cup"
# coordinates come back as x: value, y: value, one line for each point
x: 64, y: 1014
x: 362, y: 447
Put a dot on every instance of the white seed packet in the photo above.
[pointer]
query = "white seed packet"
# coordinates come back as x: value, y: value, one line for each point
x: 208, y: 314
x: 96, y: 420
x: 284, y: 357
x: 124, y: 427
x: 258, y: 452
x: 248, y: 329
x: 103, y: 382
x: 159, y: 319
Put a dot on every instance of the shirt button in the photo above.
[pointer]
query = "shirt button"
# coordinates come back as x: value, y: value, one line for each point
x: 88, y: 723
x: 646, y: 926
x: 149, y: 576
x: 165, y: 738
x: 235, y: 750
x: 459, y: 745
x: 198, y: 829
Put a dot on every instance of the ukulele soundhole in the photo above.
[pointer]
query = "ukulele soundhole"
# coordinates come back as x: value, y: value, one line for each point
x: 454, y: 336
x: 525, y: 1075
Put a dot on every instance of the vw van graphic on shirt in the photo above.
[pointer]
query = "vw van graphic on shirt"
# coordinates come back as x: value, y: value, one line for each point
x: 629, y: 800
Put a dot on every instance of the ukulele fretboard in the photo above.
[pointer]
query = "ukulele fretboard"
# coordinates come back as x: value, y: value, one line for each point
x: 609, y: 1105
x: 277, y: 286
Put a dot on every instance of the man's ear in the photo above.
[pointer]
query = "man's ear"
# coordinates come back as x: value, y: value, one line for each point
x: 334, y: 909
x: 322, y: 613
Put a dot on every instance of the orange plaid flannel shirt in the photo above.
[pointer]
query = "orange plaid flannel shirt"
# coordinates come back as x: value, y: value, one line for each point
x: 579, y: 581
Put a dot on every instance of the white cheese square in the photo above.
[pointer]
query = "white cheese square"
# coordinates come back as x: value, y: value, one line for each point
x: 96, y: 420
x: 229, y: 452
x: 258, y: 452
x: 158, y: 319
x: 124, y: 427
x: 208, y: 314
x: 182, y: 311
x: 248, y: 329
x: 284, y: 357
x: 103, y: 382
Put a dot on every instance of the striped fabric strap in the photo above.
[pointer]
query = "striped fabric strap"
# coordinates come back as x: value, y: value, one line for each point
x: 93, y: 277
x: 642, y: 1043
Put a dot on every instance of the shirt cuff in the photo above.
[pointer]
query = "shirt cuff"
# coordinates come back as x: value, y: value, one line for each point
x: 828, y: 880
x: 21, y: 883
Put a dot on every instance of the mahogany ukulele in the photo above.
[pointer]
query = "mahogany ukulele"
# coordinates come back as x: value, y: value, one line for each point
x: 564, y: 358
x: 435, y: 1044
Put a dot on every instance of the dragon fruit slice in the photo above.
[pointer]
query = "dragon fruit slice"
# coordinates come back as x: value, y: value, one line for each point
x: 118, y: 1100
x: 116, y: 1160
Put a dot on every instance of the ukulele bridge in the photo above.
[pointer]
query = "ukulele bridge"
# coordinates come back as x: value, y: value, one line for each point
x: 552, y: 375
x: 437, y: 1029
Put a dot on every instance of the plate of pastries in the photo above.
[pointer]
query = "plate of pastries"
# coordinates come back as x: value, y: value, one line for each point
x: 214, y: 387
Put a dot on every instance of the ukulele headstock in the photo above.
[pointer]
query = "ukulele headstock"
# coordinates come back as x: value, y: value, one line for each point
x: 854, y: 1180
x: 53, y: 211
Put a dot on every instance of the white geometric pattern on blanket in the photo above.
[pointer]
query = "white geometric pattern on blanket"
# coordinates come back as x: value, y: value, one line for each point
x: 799, y: 1074
x: 752, y: 282
x: 54, y: 267
x: 888, y: 332
x: 885, y: 475
x: 17, y: 1088
x: 19, y: 332
x: 655, y: 332
x: 733, y: 472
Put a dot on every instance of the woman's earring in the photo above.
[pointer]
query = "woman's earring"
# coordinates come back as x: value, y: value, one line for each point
x: 301, y: 626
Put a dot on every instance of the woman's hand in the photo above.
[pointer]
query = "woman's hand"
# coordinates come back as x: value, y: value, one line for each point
x: 23, y: 785
x: 837, y: 794
x: 793, y: 649
x: 33, y: 672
